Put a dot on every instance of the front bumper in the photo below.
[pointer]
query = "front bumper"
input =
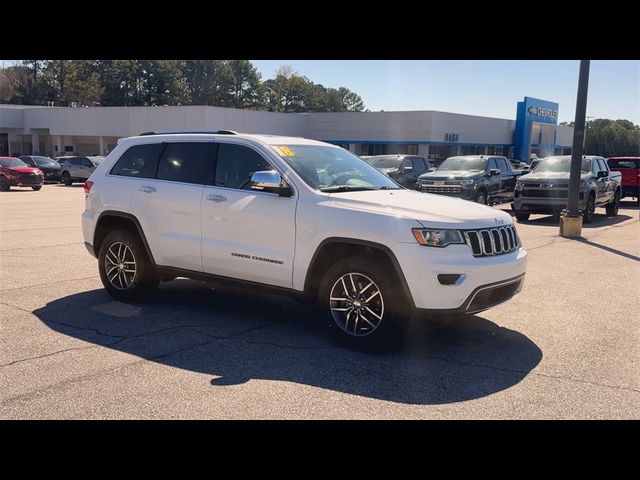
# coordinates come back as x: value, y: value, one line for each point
x: 27, y: 182
x: 476, y: 288
x: 543, y: 204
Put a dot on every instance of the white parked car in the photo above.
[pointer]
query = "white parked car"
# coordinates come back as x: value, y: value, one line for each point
x: 299, y: 216
x: 75, y: 169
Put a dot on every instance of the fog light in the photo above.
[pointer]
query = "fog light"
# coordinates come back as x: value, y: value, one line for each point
x: 448, y: 278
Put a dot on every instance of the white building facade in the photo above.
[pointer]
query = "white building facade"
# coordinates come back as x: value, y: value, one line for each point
x: 56, y: 131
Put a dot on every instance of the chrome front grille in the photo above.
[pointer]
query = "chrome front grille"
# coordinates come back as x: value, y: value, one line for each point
x: 492, y: 241
x: 440, y: 188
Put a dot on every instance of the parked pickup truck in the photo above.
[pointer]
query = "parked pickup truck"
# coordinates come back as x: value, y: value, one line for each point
x: 545, y: 190
x: 629, y: 168
x: 486, y: 179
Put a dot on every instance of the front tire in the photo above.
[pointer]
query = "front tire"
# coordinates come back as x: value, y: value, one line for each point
x: 481, y: 197
x: 125, y: 269
x: 4, y: 185
x: 366, y: 310
x: 589, y: 211
x: 66, y: 179
x: 37, y: 188
x: 522, y: 217
x: 613, y: 207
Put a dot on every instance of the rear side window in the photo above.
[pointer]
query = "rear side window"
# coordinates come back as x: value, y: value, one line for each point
x: 87, y: 163
x: 624, y: 163
x: 186, y: 162
x: 235, y: 165
x: 139, y: 161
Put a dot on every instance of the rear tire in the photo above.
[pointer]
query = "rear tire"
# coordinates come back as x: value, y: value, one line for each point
x: 589, y: 211
x: 612, y: 208
x: 4, y: 185
x: 522, y: 217
x: 66, y: 179
x: 369, y: 317
x: 125, y: 269
x: 37, y: 188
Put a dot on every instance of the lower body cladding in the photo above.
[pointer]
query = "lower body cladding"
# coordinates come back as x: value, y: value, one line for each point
x: 451, y: 280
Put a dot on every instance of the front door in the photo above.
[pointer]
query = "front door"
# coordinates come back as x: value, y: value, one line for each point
x: 246, y: 234
x: 169, y: 206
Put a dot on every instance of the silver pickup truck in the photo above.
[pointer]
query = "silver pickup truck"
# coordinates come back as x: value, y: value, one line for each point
x: 545, y: 189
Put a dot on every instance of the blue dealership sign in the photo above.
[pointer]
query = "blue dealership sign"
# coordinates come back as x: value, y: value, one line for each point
x: 531, y: 110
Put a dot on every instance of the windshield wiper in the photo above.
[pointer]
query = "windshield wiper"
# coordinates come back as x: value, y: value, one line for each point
x: 345, y: 188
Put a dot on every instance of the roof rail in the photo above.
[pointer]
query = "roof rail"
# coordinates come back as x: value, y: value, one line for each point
x: 171, y: 132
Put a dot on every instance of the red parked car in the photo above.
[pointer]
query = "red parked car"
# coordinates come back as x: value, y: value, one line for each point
x: 15, y: 173
x: 630, y: 169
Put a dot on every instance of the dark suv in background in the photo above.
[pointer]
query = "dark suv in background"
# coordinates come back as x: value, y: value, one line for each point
x: 404, y: 169
x: 484, y: 179
x: 49, y: 166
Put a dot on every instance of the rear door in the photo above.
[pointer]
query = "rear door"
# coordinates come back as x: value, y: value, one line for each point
x: 419, y: 167
x: 603, y: 184
x: 507, y: 178
x: 169, y: 206
x: 247, y: 234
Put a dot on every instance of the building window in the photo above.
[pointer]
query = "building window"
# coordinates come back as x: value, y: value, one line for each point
x: 389, y: 148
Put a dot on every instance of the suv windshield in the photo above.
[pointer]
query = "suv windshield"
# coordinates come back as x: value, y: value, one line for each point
x: 333, y: 169
x: 561, y: 165
x: 462, y: 163
x: 44, y: 161
x: 12, y: 162
x: 384, y: 161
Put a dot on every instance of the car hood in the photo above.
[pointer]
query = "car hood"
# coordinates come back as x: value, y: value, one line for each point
x: 450, y: 175
x: 24, y: 169
x: 430, y: 210
x: 548, y: 176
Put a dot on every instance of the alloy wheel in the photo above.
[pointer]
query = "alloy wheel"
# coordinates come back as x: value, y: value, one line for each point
x: 120, y: 265
x: 356, y: 304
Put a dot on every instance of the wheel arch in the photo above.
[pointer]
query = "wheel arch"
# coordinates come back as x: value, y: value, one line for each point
x: 109, y: 219
x: 334, y: 248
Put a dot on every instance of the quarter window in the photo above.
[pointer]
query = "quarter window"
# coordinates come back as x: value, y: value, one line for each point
x: 139, y: 161
x: 236, y: 164
x: 186, y: 162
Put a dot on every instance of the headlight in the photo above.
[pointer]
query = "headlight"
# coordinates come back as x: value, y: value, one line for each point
x: 437, y: 238
x: 519, y: 186
x: 466, y: 183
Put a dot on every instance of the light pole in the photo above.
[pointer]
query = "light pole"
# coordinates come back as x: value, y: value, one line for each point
x: 571, y: 218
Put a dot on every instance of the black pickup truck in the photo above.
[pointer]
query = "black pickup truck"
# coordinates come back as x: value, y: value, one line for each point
x: 487, y: 179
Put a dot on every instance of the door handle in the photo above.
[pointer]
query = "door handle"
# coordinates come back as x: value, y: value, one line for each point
x: 146, y: 189
x: 216, y: 198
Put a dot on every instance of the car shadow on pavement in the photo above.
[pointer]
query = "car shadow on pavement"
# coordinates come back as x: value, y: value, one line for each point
x: 237, y: 338
x: 599, y: 220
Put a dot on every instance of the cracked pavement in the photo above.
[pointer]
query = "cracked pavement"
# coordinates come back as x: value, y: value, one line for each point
x: 567, y: 347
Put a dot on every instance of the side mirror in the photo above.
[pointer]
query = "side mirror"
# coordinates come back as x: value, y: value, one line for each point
x: 431, y: 169
x: 603, y: 173
x: 270, y: 181
x: 494, y: 171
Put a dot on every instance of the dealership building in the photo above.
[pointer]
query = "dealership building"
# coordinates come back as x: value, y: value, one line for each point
x: 56, y: 131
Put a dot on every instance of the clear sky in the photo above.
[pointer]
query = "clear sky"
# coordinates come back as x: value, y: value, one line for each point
x: 479, y: 87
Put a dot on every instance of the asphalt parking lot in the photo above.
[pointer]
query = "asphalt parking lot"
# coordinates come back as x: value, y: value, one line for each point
x: 567, y: 347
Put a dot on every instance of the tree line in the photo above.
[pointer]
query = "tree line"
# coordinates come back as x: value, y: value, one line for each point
x: 220, y: 83
x: 611, y: 138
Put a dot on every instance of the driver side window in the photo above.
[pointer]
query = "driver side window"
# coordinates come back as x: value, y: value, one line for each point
x: 236, y: 164
x: 491, y: 164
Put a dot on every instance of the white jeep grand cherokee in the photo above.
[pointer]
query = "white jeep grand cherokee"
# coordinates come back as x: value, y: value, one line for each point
x: 300, y: 216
